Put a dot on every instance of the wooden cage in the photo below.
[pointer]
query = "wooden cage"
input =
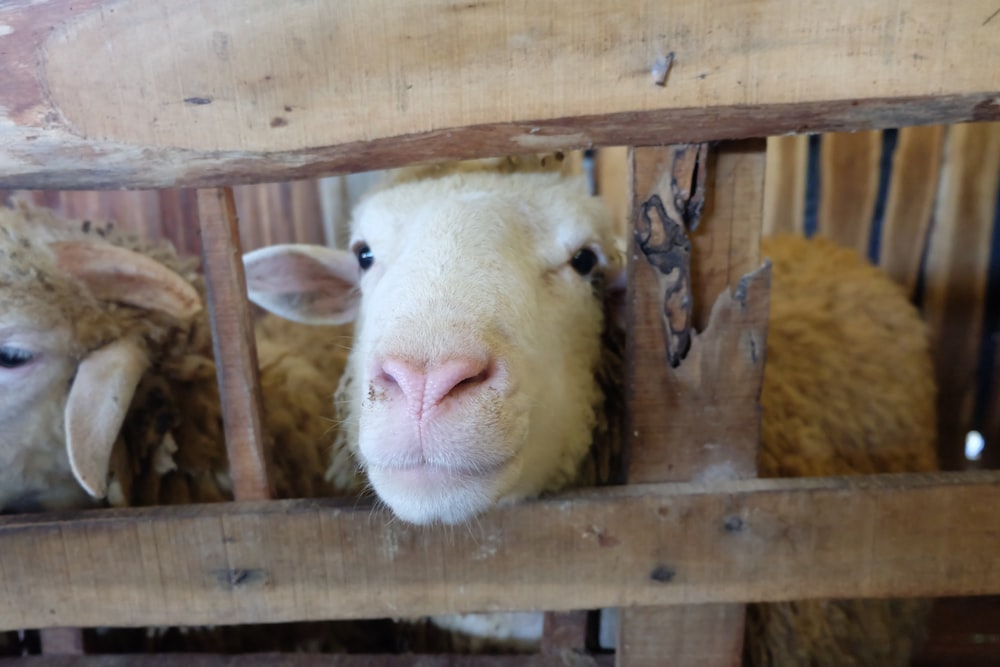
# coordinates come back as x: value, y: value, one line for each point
x: 106, y: 94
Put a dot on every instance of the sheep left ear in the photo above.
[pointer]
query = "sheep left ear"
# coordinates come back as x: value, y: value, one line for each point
x: 304, y: 283
x: 117, y: 274
x: 98, y: 402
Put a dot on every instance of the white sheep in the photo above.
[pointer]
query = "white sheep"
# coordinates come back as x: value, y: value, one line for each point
x: 479, y: 302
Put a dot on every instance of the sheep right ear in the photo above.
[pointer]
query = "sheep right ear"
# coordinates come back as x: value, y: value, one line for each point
x: 98, y: 401
x: 304, y: 283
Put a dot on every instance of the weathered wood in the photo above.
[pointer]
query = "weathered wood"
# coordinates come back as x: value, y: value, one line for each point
x: 279, y: 213
x: 707, y: 634
x: 956, y: 273
x: 679, y: 420
x: 916, y: 167
x: 704, y: 413
x: 234, y: 344
x: 103, y: 93
x: 682, y: 543
x: 306, y: 660
x: 785, y: 185
x: 611, y: 179
x: 565, y: 631
x: 849, y: 176
x: 62, y: 641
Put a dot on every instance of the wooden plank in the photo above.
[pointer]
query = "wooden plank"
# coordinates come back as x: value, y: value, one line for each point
x: 668, y: 408
x: 956, y: 274
x: 709, y: 634
x: 611, y: 177
x: 916, y: 167
x: 849, y: 176
x: 704, y: 413
x: 307, y: 660
x: 676, y: 543
x: 200, y: 92
x: 565, y: 631
x: 233, y: 343
x: 785, y: 185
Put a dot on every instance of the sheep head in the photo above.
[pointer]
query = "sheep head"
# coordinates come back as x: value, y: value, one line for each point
x: 478, y: 299
x: 70, y: 357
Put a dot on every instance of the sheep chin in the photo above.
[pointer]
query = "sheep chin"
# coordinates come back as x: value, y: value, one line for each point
x: 431, y: 494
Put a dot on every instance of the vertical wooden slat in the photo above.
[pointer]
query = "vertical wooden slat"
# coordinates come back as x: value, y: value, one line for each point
x: 910, y: 204
x: 955, y: 276
x: 702, y: 418
x: 849, y: 176
x: 611, y: 176
x: 564, y: 631
x: 235, y: 348
x: 785, y: 185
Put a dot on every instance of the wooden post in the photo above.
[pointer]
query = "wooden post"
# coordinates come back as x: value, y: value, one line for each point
x: 233, y: 341
x: 693, y: 396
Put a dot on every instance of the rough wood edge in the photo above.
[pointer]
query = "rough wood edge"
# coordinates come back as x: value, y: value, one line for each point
x: 56, y: 160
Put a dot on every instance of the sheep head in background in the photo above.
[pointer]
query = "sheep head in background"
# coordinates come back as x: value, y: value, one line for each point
x: 479, y: 305
x: 71, y: 353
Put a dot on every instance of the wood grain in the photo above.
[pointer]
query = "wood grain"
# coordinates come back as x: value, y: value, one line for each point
x: 785, y: 185
x: 234, y: 344
x: 909, y: 208
x: 702, y: 418
x: 200, y: 92
x: 956, y: 273
x: 676, y: 543
x: 849, y: 177
x: 306, y: 660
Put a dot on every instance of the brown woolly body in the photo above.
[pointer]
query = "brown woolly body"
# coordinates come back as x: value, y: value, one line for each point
x: 848, y: 389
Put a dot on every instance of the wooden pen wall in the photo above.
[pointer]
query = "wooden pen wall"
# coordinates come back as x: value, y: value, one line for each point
x: 922, y: 202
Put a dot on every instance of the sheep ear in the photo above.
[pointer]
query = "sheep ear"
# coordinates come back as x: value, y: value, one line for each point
x: 98, y: 401
x: 117, y: 274
x: 304, y: 283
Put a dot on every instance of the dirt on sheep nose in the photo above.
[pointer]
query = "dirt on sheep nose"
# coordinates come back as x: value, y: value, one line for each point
x: 425, y: 388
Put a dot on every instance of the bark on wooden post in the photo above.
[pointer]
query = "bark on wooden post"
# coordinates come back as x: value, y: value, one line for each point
x: 693, y: 396
x: 233, y: 341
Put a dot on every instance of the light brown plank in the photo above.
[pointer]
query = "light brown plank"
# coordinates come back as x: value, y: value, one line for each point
x: 305, y: 660
x: 909, y: 208
x: 785, y: 185
x: 733, y: 541
x: 700, y: 419
x: 679, y: 419
x: 234, y: 344
x: 956, y: 273
x: 611, y: 176
x: 199, y: 92
x: 849, y: 175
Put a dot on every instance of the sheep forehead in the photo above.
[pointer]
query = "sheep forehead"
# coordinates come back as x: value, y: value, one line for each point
x: 541, y: 212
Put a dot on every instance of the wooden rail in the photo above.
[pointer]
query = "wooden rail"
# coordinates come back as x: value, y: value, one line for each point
x: 113, y: 93
x: 749, y: 540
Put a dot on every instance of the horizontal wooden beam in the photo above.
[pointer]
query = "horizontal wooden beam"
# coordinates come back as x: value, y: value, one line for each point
x: 307, y: 660
x: 106, y: 93
x: 750, y: 540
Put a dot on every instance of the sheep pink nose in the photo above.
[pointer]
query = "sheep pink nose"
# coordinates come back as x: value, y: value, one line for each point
x: 426, y: 388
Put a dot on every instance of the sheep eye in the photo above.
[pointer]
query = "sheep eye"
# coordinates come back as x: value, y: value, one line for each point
x: 365, y: 256
x: 12, y: 357
x: 584, y: 261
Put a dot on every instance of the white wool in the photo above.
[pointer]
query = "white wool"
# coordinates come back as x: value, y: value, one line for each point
x: 476, y: 268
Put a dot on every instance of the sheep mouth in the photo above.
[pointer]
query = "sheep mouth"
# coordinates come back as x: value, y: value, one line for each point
x: 430, y: 469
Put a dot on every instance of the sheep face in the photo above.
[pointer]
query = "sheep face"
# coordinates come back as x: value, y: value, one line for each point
x: 70, y: 356
x: 479, y: 316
